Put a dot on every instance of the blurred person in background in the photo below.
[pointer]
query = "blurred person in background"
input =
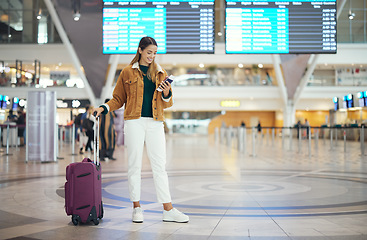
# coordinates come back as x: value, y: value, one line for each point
x: 87, y: 126
x: 107, y: 135
x: 83, y: 138
x: 21, y: 121
x: 307, y: 126
x: 259, y: 128
x: 11, y: 116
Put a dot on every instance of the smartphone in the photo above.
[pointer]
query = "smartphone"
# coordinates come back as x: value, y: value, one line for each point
x: 168, y: 79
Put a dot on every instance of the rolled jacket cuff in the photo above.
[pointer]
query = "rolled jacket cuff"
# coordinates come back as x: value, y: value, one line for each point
x: 166, y: 99
x: 106, y: 108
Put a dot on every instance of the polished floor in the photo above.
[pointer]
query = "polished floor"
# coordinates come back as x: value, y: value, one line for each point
x: 283, y: 192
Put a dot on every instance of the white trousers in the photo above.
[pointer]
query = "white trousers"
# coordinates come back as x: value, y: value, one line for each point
x: 138, y: 131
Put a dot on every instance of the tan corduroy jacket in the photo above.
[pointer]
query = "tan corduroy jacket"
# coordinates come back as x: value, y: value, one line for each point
x: 129, y: 90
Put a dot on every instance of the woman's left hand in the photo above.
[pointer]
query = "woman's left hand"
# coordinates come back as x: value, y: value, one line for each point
x: 166, y: 87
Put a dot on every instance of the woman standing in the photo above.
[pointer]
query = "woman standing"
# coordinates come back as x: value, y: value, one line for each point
x: 137, y: 88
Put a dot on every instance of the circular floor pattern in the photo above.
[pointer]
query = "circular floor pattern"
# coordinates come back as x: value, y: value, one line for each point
x: 256, y: 195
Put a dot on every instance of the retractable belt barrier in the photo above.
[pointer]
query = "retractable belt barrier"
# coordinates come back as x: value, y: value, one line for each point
x: 227, y: 135
x: 8, y: 137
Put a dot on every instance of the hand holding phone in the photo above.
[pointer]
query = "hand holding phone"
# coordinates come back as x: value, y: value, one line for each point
x: 167, y: 79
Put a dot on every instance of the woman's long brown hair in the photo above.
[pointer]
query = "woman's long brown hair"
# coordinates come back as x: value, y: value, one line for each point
x: 152, y: 70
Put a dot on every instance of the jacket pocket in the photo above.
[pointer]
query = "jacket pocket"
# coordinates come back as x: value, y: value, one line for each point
x: 131, y: 85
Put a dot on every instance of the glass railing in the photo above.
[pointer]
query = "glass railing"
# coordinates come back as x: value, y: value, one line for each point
x: 203, y: 79
x: 18, y: 25
x: 321, y: 81
x: 345, y: 78
x: 28, y: 80
x: 217, y: 76
x: 188, y: 80
x: 352, y: 81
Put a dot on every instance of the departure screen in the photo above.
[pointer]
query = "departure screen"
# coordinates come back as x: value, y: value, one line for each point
x: 280, y: 27
x: 181, y: 26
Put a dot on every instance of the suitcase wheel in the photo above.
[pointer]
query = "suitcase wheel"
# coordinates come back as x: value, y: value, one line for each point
x: 95, y: 221
x: 75, y: 219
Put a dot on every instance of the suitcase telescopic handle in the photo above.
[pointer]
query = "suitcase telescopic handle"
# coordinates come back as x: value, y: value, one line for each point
x: 96, y: 139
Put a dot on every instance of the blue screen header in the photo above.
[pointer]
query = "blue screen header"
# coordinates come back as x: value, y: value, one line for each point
x: 159, y: 1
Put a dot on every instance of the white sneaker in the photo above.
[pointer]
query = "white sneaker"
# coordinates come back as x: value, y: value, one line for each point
x: 138, y: 215
x: 174, y: 215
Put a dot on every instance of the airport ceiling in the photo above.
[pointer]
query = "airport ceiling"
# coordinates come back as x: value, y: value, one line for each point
x: 86, y: 37
x: 86, y: 34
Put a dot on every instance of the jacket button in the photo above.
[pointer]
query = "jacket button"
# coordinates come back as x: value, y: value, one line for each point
x: 155, y: 99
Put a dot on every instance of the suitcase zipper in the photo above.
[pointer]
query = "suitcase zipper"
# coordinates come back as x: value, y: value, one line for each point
x: 83, y: 175
x: 82, y: 207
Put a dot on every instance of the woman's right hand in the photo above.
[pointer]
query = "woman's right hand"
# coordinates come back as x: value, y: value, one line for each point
x: 97, y: 111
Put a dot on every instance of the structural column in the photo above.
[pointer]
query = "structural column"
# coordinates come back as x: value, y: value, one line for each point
x: 29, y: 27
x: 289, y: 114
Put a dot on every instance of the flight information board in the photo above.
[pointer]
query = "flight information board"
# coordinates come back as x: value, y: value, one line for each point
x: 181, y: 26
x: 280, y: 27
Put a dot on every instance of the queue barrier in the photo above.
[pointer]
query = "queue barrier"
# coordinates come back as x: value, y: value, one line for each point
x: 66, y: 133
x: 238, y: 137
x: 10, y: 137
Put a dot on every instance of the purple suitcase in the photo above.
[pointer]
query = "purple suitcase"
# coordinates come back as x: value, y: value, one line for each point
x: 83, y: 188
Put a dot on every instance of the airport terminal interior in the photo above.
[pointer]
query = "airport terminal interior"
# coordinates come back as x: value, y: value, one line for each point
x: 265, y: 140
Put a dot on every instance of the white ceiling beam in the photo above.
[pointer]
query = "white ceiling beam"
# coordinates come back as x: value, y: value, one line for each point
x: 279, y: 77
x: 107, y: 89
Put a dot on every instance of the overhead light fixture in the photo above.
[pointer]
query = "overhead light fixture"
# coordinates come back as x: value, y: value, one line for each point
x: 230, y: 103
x: 351, y: 15
x: 75, y: 103
x: 22, y: 102
x: 76, y: 16
x: 76, y: 9
x: 39, y: 15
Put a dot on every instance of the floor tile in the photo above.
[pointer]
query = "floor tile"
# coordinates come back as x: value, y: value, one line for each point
x: 281, y: 194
